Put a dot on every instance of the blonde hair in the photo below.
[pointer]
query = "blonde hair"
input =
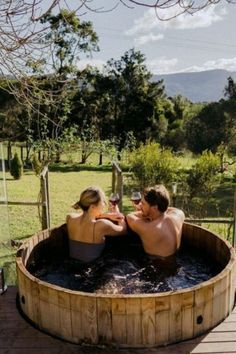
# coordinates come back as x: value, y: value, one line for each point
x: 90, y: 196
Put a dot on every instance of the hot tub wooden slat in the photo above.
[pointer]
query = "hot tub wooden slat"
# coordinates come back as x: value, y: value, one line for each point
x: 187, y: 314
x: 148, y: 321
x: 35, y: 295
x: 50, y: 313
x: 22, y: 289
x: 76, y: 318
x: 30, y: 300
x: 119, y: 332
x: 232, y: 280
x: 162, y: 319
x: 175, y: 324
x: 219, y: 253
x: 220, y: 299
x: 64, y: 315
x: 89, y: 318
x: 84, y: 319
x: 226, y: 294
x: 20, y: 279
x: 133, y: 320
x: 203, y: 310
x: 194, y: 236
x: 46, y: 319
x: 104, y: 320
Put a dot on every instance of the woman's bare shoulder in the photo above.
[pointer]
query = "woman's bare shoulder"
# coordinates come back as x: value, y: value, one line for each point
x: 71, y: 216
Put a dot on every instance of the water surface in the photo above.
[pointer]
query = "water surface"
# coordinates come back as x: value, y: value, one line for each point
x: 127, y: 271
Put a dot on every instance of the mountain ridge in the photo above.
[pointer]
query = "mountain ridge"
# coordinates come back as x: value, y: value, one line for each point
x: 202, y: 86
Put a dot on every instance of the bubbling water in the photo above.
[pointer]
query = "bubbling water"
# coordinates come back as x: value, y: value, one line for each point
x: 127, y: 271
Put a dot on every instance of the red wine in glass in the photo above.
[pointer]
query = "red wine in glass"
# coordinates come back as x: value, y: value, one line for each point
x: 114, y: 199
x: 136, y: 197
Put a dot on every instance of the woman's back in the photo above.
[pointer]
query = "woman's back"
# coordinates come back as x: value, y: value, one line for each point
x: 86, y: 231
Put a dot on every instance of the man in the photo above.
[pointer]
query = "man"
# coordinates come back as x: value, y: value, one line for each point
x: 158, y: 225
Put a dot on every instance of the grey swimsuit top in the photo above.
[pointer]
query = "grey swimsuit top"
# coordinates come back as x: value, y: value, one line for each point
x: 85, y: 251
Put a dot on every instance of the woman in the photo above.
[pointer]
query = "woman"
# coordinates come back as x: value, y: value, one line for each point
x: 87, y: 230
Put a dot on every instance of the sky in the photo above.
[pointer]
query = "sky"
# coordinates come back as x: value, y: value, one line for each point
x: 201, y: 41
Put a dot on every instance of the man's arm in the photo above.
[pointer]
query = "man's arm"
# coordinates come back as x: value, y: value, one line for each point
x: 136, y: 221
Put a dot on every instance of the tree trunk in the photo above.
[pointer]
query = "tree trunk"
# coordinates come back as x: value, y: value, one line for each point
x: 100, y: 159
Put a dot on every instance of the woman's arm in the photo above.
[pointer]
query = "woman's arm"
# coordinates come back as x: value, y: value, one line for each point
x: 113, y: 216
x: 111, y: 229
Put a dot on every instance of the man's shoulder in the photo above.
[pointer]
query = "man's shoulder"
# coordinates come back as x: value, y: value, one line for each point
x: 176, y: 213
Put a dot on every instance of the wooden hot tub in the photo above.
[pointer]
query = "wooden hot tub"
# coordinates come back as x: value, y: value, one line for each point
x: 140, y: 320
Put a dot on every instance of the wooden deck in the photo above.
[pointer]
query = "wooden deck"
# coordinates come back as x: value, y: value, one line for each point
x: 17, y: 336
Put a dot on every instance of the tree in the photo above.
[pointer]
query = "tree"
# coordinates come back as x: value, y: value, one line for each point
x: 207, y: 129
x: 213, y: 126
x: 133, y: 97
x: 69, y: 38
x: 230, y: 89
x: 16, y: 167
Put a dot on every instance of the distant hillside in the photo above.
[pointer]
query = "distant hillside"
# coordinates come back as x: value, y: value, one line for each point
x: 204, y: 86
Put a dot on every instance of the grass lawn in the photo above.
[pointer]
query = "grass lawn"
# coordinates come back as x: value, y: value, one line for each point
x: 64, y: 190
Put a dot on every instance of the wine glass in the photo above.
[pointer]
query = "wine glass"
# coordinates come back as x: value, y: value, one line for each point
x: 114, y: 199
x: 136, y: 197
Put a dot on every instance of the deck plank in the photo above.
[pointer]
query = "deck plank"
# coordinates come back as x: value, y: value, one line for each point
x: 17, y: 336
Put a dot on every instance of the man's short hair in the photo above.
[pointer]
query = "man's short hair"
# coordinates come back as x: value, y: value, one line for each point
x: 157, y: 196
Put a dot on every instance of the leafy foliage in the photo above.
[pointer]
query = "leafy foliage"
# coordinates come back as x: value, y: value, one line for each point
x: 16, y: 167
x: 54, y: 90
x: 152, y: 165
x: 69, y: 37
x: 230, y: 89
x: 214, y: 125
x: 203, y: 177
x: 36, y: 164
x: 133, y: 97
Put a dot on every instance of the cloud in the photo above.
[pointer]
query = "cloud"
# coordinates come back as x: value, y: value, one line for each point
x: 148, y: 38
x: 222, y: 63
x: 201, y: 19
x: 168, y: 66
x: 162, y: 65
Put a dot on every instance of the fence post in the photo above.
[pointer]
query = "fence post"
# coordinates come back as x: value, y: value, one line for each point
x: 113, y: 182
x: 234, y: 226
x: 117, y: 182
x: 44, y: 190
x: 9, y: 154
x: 22, y: 153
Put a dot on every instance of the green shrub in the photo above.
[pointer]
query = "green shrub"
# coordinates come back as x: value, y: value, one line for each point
x: 36, y: 165
x: 16, y: 167
x: 203, y: 177
x: 153, y: 165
